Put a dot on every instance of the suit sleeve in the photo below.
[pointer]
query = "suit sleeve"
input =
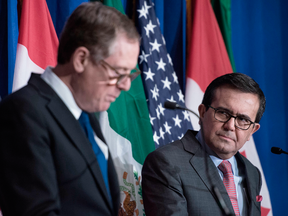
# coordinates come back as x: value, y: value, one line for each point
x: 161, y: 185
x: 28, y: 184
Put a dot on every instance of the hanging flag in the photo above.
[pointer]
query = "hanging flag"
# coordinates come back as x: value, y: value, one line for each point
x: 128, y: 133
x: 37, y: 42
x: 223, y: 15
x: 12, y: 40
x: 159, y: 79
x: 207, y: 57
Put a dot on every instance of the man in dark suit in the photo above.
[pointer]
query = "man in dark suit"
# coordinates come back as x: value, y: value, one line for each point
x: 49, y: 164
x: 180, y: 178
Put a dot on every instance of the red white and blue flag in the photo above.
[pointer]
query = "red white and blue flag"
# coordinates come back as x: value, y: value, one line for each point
x: 159, y: 79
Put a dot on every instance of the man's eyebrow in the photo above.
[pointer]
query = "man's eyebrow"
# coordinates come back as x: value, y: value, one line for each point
x: 231, y: 113
x: 244, y: 116
x: 224, y: 109
x: 119, y: 68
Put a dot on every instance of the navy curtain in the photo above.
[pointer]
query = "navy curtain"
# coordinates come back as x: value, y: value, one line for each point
x: 259, y: 42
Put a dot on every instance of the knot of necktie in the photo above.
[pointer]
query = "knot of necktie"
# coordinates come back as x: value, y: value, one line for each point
x: 86, y: 126
x: 225, y: 167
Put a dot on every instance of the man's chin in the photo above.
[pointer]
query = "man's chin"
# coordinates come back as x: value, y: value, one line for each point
x: 225, y: 150
x: 97, y: 108
x: 104, y: 107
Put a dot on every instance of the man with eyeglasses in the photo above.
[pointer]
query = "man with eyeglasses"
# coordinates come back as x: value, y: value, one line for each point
x: 183, y: 177
x: 53, y: 156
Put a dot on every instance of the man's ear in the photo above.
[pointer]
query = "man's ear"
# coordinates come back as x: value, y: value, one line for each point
x: 254, y: 129
x: 201, y: 110
x: 80, y: 59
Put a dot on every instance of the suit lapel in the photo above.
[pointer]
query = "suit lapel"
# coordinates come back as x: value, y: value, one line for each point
x: 198, y: 161
x: 96, y: 127
x: 73, y: 130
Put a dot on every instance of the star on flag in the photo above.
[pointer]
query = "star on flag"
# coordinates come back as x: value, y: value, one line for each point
x: 159, y: 79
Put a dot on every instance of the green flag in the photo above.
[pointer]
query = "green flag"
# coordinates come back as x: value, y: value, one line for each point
x: 223, y: 15
x: 116, y: 4
x: 128, y: 132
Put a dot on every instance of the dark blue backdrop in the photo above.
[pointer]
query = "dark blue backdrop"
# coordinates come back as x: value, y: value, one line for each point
x: 259, y: 41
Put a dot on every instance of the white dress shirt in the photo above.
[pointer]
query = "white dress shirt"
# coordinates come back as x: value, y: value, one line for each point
x: 66, y: 96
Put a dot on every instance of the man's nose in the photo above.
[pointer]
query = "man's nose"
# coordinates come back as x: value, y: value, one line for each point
x: 124, y: 85
x: 230, y: 125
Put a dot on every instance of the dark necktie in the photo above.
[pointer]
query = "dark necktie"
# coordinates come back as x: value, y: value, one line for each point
x: 85, y: 124
x: 229, y: 184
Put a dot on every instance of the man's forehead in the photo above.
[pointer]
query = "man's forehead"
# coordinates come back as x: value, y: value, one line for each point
x: 231, y: 91
x: 123, y: 53
x: 236, y: 101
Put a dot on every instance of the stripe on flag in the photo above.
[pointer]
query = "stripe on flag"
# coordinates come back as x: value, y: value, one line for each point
x: 37, y: 42
x: 207, y: 58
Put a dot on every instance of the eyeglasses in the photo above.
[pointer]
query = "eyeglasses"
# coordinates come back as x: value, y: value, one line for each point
x: 121, y: 77
x: 241, y: 122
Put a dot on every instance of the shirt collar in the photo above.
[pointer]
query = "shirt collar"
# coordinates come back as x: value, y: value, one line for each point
x: 62, y: 91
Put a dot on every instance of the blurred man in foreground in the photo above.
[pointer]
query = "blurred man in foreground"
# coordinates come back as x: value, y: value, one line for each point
x: 53, y: 157
x: 179, y: 178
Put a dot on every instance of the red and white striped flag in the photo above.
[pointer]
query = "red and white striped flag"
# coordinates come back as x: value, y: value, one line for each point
x: 37, y: 42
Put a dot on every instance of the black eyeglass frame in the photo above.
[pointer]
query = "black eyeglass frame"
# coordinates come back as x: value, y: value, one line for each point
x: 120, y: 77
x: 231, y: 116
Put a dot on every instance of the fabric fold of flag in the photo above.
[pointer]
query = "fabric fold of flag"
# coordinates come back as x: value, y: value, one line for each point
x: 159, y: 79
x: 128, y: 133
x: 207, y: 55
x: 37, y: 42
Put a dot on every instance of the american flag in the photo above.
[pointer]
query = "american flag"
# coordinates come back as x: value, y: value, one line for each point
x: 159, y: 79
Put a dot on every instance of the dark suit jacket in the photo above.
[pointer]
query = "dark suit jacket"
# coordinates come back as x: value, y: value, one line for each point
x: 47, y: 164
x: 175, y: 182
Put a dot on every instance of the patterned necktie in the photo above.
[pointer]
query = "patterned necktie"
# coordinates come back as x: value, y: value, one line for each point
x: 228, y: 181
x: 85, y: 124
